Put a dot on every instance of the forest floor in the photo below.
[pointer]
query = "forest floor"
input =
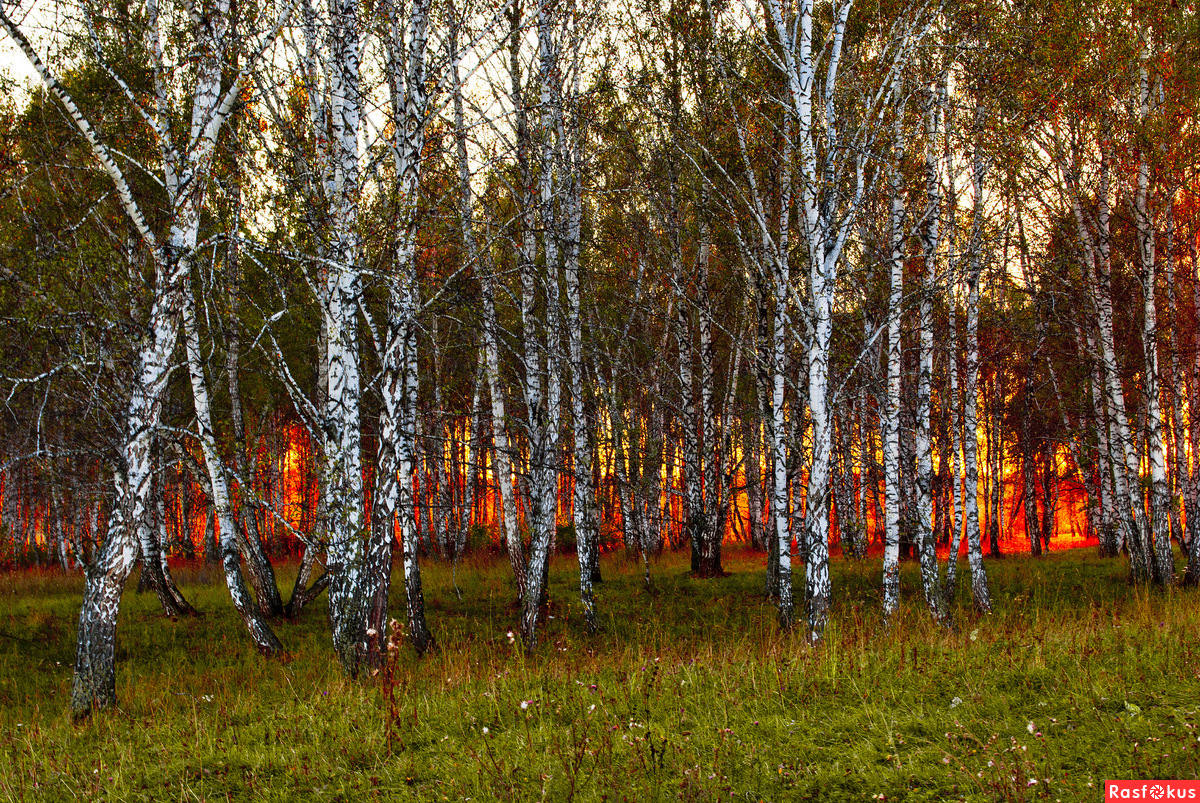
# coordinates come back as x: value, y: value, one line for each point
x: 690, y: 692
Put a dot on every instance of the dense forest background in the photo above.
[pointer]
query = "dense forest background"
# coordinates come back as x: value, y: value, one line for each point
x: 424, y: 278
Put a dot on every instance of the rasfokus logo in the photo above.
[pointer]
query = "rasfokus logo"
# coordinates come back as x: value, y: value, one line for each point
x: 1151, y: 790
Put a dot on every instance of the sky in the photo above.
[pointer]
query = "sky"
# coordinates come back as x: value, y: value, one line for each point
x: 12, y: 61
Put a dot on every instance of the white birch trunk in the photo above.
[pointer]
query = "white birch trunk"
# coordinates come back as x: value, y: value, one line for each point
x: 264, y: 638
x: 1163, y: 565
x: 398, y: 418
x: 954, y: 408
x: 707, y: 441
x: 891, y: 415
x: 342, y: 458
x: 185, y: 180
x: 502, y: 463
x: 930, y: 579
x: 543, y: 389
x: 584, y: 501
x: 1097, y: 273
x: 979, y: 584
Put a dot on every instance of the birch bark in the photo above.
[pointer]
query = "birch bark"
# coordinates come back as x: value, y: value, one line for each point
x: 891, y: 415
x: 930, y: 579
x: 1163, y: 564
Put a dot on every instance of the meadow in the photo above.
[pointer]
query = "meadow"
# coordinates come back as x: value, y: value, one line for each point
x: 690, y: 692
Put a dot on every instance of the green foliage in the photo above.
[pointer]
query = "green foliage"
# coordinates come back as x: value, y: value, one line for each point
x: 479, y: 540
x: 689, y: 693
x: 565, y: 539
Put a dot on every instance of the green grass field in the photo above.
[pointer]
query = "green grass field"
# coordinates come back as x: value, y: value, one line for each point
x: 690, y: 693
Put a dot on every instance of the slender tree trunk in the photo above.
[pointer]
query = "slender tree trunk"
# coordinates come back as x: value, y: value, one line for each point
x: 586, y: 539
x: 260, y: 631
x: 1028, y: 484
x: 398, y: 419
x: 707, y: 441
x: 752, y: 475
x: 1191, y: 575
x: 979, y: 583
x: 1163, y: 565
x: 891, y: 416
x: 930, y: 575
x: 261, y: 573
x: 1125, y: 464
x: 543, y: 389
x: 1175, y: 386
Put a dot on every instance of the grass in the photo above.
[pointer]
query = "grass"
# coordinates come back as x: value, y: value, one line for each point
x: 690, y: 693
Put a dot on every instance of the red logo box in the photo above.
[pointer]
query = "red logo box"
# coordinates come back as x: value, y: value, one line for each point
x: 1151, y: 790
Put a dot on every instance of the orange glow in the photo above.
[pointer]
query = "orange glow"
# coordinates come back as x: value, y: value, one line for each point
x: 284, y: 476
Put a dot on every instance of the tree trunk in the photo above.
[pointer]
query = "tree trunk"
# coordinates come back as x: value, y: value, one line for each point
x: 891, y: 416
x: 1163, y: 563
x: 930, y: 574
x: 264, y: 638
x: 979, y: 584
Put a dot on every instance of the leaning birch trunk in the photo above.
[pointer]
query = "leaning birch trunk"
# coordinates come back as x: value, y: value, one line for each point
x: 1098, y: 274
x: 94, y: 682
x: 156, y: 572
x: 260, y: 631
x: 262, y: 574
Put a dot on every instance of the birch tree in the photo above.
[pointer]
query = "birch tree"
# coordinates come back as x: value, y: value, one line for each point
x: 185, y: 171
x: 970, y: 400
x: 832, y: 174
x: 406, y: 47
x: 1163, y: 564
